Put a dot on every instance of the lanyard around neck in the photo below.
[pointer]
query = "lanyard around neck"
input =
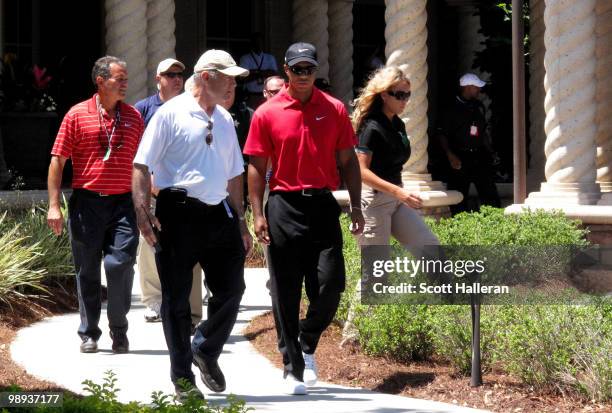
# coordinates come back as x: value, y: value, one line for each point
x: 109, y: 136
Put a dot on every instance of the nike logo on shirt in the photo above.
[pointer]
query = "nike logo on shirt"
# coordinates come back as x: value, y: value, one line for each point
x: 320, y: 117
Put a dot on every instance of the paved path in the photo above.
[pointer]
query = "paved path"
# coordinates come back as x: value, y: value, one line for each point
x: 50, y: 350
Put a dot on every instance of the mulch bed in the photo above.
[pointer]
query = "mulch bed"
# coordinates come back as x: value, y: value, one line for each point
x: 423, y: 380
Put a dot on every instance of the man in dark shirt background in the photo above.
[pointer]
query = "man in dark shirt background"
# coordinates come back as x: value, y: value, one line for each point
x: 467, y: 146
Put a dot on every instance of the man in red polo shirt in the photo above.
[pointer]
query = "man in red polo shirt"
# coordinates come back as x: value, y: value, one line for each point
x: 101, y: 136
x: 303, y: 131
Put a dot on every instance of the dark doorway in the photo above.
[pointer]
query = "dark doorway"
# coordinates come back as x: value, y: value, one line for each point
x: 47, y: 35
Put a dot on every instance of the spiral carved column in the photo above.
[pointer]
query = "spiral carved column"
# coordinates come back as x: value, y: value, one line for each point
x: 603, y: 97
x: 570, y: 104
x: 406, y: 38
x: 126, y: 38
x: 535, y: 174
x: 340, y: 15
x: 160, y: 37
x: 310, y: 24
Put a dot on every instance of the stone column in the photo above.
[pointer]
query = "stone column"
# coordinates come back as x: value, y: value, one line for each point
x: 603, y: 97
x: 570, y: 105
x: 535, y: 174
x: 406, y: 37
x: 126, y: 38
x: 160, y: 37
x: 310, y: 25
x: 340, y: 15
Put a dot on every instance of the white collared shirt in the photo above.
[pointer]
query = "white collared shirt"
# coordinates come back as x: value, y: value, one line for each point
x: 174, y: 148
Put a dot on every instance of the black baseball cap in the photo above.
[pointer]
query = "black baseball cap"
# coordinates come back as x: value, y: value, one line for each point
x: 301, y: 52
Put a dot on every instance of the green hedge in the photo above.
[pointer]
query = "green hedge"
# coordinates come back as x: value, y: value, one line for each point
x: 102, y: 398
x: 30, y: 253
x: 565, y: 347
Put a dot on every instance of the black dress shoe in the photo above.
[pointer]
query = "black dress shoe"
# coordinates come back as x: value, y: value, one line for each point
x: 121, y: 343
x: 210, y: 373
x: 89, y: 345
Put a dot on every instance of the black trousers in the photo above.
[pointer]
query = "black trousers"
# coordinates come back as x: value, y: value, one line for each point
x: 195, y: 232
x: 103, y: 227
x: 306, y: 244
x: 475, y: 167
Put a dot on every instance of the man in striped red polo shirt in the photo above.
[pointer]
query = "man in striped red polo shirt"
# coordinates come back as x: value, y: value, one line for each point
x: 100, y: 136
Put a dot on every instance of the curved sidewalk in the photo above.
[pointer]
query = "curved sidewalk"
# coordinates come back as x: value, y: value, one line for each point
x: 50, y: 350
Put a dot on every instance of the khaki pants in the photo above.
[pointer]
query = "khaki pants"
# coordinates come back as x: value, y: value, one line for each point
x: 151, y: 287
x: 385, y: 216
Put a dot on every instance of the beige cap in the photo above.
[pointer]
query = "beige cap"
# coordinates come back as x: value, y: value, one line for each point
x: 166, y: 64
x: 221, y: 61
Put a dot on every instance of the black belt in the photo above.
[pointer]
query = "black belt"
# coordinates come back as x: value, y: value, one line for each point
x: 179, y: 196
x: 93, y: 194
x: 305, y: 192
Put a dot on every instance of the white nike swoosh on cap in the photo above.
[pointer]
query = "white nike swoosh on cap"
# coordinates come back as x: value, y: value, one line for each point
x: 302, y: 50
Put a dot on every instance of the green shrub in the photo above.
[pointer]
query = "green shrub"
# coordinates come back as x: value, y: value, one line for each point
x: 56, y: 253
x: 491, y: 227
x: 352, y: 263
x: 17, y: 271
x: 401, y: 332
x: 102, y: 398
x: 30, y: 253
x: 567, y: 347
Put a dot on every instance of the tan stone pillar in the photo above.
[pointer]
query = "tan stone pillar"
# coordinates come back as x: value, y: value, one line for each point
x: 126, y: 38
x: 535, y: 174
x: 310, y: 24
x: 340, y: 16
x: 160, y: 37
x: 406, y: 37
x: 603, y: 97
x: 570, y: 106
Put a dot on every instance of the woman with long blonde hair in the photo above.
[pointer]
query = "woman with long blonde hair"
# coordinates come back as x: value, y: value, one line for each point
x: 382, y: 151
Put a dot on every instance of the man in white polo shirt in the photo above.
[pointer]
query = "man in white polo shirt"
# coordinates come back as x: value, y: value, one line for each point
x: 191, y: 146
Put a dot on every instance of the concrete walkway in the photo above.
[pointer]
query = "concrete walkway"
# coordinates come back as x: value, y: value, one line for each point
x: 50, y: 350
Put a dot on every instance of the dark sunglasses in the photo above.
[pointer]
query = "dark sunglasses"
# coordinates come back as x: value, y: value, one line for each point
x: 303, y: 71
x: 172, y: 75
x: 209, y: 135
x: 399, y: 95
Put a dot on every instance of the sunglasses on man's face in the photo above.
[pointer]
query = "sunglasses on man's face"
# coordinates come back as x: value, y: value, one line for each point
x: 172, y: 75
x: 209, y: 135
x: 303, y: 70
x: 399, y: 95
